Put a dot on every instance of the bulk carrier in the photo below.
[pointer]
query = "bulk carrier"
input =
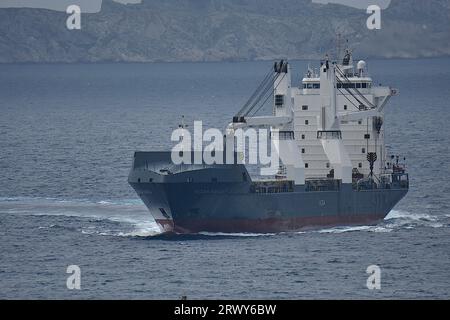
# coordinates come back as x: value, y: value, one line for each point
x: 334, y: 168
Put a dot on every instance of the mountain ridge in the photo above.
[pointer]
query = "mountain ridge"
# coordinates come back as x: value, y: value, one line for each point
x: 222, y: 30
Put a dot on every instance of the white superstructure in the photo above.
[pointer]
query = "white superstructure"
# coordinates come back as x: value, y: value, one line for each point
x: 362, y: 132
x: 328, y: 126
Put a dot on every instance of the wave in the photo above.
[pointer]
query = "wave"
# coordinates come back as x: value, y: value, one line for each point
x: 353, y: 229
x: 133, y: 219
x: 395, y: 220
x: 235, y: 234
x: 128, y: 213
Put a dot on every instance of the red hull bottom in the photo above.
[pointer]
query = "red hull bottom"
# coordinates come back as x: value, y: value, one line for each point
x: 270, y: 225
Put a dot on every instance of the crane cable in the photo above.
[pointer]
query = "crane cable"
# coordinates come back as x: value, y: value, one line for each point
x: 345, y: 96
x: 261, y: 96
x: 268, y: 96
x: 347, y: 80
x: 360, y: 102
x: 262, y: 85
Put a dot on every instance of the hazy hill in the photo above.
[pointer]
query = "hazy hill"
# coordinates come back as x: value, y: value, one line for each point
x: 208, y: 30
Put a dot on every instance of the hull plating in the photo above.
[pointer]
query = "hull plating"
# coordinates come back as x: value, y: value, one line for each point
x: 269, y: 225
x: 188, y: 208
x: 221, y: 199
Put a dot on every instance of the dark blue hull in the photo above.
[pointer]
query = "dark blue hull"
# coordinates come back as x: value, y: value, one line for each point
x: 223, y: 198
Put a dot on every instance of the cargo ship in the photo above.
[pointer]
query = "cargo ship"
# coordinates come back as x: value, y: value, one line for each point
x: 334, y: 168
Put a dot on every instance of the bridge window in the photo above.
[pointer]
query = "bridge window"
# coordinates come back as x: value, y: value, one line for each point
x: 316, y: 85
x: 364, y: 85
x: 358, y: 85
x: 279, y: 100
x: 286, y: 135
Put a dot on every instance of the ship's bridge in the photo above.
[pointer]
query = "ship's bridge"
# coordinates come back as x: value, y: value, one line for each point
x: 355, y: 91
x: 349, y: 83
